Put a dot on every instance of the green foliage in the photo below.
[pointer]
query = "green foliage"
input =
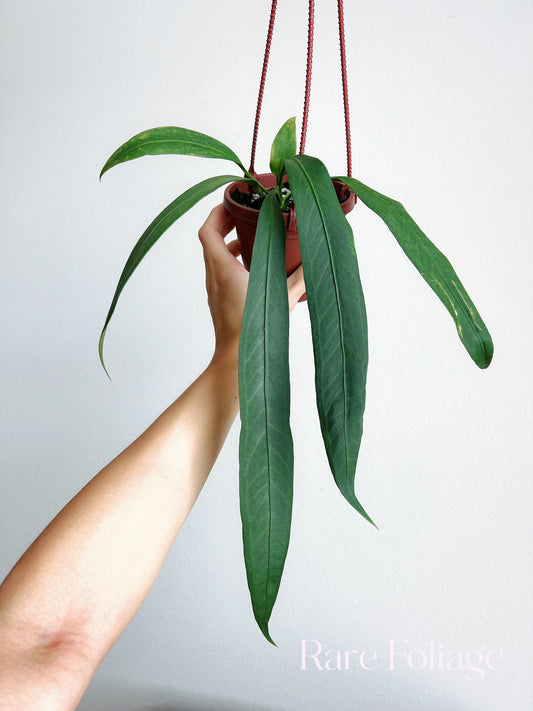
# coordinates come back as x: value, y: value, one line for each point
x: 265, y: 452
x: 153, y: 232
x: 283, y: 148
x: 338, y: 317
x: 170, y: 140
x: 338, y: 323
x: 435, y: 268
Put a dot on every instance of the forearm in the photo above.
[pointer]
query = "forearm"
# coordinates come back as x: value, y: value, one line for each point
x: 86, y: 575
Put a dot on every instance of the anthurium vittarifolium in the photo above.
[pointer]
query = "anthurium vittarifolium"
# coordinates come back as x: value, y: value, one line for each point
x: 338, y: 323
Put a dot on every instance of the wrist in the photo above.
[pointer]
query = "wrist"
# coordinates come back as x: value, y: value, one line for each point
x: 226, y: 355
x: 223, y: 371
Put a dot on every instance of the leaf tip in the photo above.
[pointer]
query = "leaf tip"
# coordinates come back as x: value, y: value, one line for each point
x: 104, y: 170
x: 262, y: 618
x: 488, y: 352
x: 101, y: 351
x: 367, y: 518
x: 264, y: 630
x: 374, y: 524
x: 354, y: 501
x: 480, y: 348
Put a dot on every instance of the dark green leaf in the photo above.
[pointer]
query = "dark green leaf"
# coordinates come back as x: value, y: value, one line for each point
x: 435, y: 268
x: 154, y: 231
x: 266, y: 451
x: 338, y: 317
x: 171, y: 140
x: 283, y: 147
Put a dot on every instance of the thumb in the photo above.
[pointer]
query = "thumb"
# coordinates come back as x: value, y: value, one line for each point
x: 215, y: 228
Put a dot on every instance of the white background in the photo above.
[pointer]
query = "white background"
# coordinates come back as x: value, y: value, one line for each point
x: 442, y: 112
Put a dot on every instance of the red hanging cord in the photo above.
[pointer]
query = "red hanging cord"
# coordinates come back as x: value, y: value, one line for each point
x: 345, y: 88
x: 310, y: 43
x: 262, y: 83
x: 310, y: 40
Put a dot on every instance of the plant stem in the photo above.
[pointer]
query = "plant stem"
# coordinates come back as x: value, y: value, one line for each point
x: 285, y: 200
x: 260, y: 188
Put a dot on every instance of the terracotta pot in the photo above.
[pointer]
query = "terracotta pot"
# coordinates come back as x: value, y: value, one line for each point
x: 246, y: 220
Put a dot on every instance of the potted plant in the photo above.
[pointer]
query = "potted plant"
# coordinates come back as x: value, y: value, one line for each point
x: 299, y: 189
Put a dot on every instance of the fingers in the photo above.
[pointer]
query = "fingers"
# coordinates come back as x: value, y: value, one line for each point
x: 296, y: 287
x: 215, y: 228
x: 212, y: 233
x: 218, y: 222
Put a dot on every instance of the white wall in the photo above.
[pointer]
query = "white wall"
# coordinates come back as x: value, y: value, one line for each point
x: 441, y: 108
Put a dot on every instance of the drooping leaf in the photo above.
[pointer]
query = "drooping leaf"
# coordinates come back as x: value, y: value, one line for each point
x: 171, y: 140
x: 338, y: 317
x: 283, y: 147
x: 266, y: 450
x: 435, y: 268
x: 153, y: 232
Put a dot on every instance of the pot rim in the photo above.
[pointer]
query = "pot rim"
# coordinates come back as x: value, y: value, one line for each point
x: 251, y: 214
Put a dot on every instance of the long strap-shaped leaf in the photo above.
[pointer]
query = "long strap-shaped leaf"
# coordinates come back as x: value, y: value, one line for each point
x: 435, y: 268
x: 338, y: 317
x: 171, y: 140
x: 266, y: 450
x: 154, y: 231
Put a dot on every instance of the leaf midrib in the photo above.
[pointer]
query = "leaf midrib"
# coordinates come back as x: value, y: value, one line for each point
x: 156, y: 141
x: 265, y: 362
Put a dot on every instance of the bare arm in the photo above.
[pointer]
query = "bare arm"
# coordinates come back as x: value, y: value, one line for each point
x: 76, y: 588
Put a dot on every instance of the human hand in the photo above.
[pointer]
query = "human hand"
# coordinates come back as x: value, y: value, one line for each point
x: 227, y: 279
